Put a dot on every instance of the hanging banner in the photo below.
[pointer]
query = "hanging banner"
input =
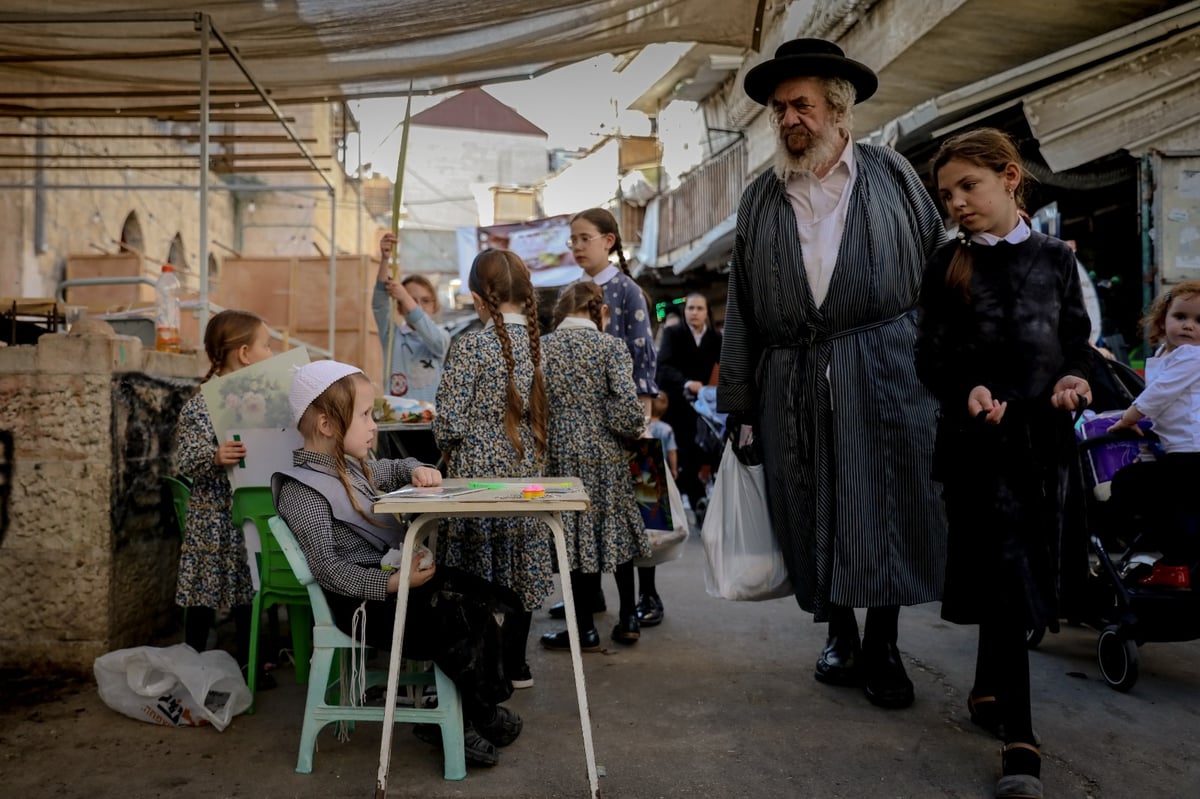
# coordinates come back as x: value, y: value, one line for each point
x: 540, y: 243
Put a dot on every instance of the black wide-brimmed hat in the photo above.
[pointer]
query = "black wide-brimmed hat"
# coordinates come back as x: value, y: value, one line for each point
x: 809, y: 58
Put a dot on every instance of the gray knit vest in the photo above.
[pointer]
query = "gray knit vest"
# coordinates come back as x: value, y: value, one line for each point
x: 380, y: 530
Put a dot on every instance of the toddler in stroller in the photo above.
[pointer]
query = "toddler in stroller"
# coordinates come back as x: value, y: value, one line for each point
x: 1145, y: 565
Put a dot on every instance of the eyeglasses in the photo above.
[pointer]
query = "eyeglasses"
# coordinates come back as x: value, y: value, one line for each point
x: 582, y: 239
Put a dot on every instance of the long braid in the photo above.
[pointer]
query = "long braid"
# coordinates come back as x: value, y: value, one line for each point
x: 620, y: 251
x: 538, y: 412
x: 514, y: 407
x: 595, y: 308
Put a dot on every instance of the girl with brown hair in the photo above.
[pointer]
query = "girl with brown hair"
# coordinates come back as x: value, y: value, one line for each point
x: 1003, y: 344
x: 492, y: 422
x: 594, y: 406
x: 214, y: 571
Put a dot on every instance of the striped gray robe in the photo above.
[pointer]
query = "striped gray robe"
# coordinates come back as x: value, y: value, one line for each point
x: 847, y: 429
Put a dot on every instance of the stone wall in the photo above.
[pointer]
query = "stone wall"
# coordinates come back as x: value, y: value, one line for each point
x: 88, y: 555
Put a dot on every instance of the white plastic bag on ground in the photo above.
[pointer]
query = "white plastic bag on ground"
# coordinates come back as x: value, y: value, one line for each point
x: 667, y: 545
x: 743, y: 559
x: 173, y: 686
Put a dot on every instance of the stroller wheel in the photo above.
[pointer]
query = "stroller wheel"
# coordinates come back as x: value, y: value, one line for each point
x: 1033, y: 637
x: 1118, y: 657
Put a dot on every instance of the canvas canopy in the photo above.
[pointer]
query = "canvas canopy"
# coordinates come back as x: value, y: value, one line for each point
x: 77, y: 57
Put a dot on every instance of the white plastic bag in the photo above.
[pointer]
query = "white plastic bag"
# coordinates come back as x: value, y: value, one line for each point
x: 667, y: 545
x: 743, y: 558
x: 173, y: 686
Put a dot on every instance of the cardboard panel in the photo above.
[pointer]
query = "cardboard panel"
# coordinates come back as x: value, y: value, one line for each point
x: 102, y: 299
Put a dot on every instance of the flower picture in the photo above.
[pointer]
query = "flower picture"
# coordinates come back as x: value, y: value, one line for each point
x: 254, y: 397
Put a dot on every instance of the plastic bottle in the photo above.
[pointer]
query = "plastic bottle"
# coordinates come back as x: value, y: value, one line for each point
x: 166, y: 311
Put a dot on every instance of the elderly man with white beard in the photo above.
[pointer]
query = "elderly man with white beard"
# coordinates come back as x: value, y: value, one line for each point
x: 817, y: 361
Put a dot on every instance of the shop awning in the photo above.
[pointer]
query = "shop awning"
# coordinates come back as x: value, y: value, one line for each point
x: 90, y: 57
x: 1112, y: 92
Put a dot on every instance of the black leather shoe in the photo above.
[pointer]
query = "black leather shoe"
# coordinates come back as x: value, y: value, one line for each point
x: 589, y: 641
x: 649, y: 610
x: 884, y: 680
x: 559, y: 610
x: 838, y: 663
x: 628, y: 630
x: 502, y: 729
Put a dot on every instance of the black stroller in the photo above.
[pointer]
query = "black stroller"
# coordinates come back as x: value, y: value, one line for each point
x: 710, y: 437
x: 1136, y: 590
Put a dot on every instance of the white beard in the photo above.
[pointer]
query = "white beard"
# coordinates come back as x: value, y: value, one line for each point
x: 823, y: 148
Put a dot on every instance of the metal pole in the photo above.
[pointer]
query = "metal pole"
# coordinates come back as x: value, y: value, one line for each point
x: 204, y: 23
x: 247, y: 187
x: 332, y: 269
x: 359, y: 203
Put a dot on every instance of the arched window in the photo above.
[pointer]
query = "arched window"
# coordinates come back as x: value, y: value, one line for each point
x: 214, y: 267
x: 175, y: 256
x: 131, y: 234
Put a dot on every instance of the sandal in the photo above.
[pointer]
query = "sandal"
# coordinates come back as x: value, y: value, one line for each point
x: 985, y: 713
x: 503, y: 729
x: 479, y: 750
x: 1021, y: 764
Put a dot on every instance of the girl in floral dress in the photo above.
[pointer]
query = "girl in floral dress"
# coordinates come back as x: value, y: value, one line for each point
x: 594, y: 405
x: 491, y: 422
x: 213, y: 567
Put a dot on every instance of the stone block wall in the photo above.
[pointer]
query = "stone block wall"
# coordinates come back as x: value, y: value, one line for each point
x: 88, y: 547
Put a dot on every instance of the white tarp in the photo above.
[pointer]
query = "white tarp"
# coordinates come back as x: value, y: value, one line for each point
x: 314, y: 50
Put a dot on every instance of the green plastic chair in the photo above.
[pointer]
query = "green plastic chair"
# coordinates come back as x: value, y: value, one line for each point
x: 277, y: 584
x: 329, y: 641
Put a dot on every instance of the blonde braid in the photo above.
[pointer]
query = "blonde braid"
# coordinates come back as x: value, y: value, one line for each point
x: 513, y: 407
x: 537, y: 392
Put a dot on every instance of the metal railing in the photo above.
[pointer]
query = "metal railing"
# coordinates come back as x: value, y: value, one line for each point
x: 706, y: 197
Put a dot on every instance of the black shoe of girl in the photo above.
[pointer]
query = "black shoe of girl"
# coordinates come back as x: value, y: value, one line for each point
x: 649, y: 610
x: 479, y: 750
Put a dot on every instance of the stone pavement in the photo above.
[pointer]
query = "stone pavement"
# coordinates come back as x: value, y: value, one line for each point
x: 718, y: 701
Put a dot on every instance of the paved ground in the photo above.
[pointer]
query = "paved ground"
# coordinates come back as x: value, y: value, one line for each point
x: 719, y: 701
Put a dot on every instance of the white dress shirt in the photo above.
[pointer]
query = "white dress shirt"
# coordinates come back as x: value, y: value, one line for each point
x: 1015, y: 236
x: 820, y: 205
x: 1172, y: 398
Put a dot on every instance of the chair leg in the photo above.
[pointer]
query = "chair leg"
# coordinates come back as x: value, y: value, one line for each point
x: 454, y: 749
x: 301, y: 621
x: 318, y: 682
x: 252, y: 662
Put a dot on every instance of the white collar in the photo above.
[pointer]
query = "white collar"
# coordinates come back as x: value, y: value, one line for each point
x: 1015, y: 236
x: 576, y: 322
x: 510, y: 319
x: 692, y: 330
x: 604, y: 275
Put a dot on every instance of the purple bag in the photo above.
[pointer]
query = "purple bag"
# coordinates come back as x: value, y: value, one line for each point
x: 1105, y: 460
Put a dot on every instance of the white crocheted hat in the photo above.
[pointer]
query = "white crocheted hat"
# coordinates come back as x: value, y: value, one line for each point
x: 310, y: 381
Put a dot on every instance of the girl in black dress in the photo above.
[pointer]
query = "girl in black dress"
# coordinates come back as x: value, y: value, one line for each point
x: 1004, y: 346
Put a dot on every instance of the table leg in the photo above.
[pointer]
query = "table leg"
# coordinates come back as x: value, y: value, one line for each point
x: 553, y: 520
x: 411, y: 536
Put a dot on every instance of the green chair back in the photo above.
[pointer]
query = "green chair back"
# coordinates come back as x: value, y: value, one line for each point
x: 181, y: 494
x: 277, y: 583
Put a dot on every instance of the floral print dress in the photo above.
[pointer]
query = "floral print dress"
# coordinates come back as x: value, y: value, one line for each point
x: 213, y: 567
x: 471, y: 400
x: 593, y: 406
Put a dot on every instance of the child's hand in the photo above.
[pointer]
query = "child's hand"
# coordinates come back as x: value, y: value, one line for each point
x: 1128, y: 421
x: 229, y: 453
x: 416, y: 579
x: 1067, y: 392
x: 386, y: 245
x: 980, y: 401
x: 424, y: 477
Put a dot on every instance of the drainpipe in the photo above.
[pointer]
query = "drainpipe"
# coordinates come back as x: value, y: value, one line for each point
x: 1146, y: 189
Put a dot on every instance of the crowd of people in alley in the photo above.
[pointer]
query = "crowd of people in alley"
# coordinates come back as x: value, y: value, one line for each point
x: 911, y: 396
